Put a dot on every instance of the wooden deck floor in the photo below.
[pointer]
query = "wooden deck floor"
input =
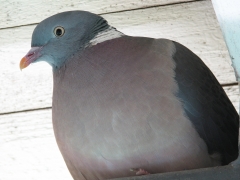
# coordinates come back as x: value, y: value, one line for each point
x: 28, y: 149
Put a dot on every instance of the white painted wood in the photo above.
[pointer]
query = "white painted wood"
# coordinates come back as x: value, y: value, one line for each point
x: 18, y: 12
x: 192, y: 24
x: 233, y: 94
x: 28, y: 149
x: 229, y: 19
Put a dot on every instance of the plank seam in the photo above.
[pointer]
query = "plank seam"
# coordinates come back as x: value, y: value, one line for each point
x: 26, y: 110
x: 229, y: 84
x: 114, y: 12
x: 50, y: 107
x: 153, y: 6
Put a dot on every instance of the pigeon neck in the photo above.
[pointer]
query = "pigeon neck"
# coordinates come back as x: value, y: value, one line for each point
x: 107, y: 34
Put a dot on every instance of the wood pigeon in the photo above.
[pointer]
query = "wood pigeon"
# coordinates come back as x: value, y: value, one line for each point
x: 127, y: 105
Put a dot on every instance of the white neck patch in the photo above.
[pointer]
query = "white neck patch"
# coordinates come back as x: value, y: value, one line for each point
x: 108, y: 34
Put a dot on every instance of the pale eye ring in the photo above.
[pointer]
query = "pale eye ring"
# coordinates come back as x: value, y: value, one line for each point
x: 59, y: 31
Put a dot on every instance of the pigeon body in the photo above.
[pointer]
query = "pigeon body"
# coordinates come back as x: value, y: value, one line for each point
x: 122, y: 102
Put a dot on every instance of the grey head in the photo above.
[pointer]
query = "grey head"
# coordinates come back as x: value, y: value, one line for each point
x: 58, y: 37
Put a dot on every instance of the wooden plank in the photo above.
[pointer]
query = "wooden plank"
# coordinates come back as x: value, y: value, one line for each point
x: 233, y: 94
x: 17, y: 12
x: 192, y: 24
x: 28, y: 148
x: 229, y: 17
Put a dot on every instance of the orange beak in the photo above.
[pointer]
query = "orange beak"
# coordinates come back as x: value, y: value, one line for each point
x: 24, y: 63
x: 31, y: 56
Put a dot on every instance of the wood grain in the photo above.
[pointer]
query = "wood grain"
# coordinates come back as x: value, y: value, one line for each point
x: 192, y: 24
x: 233, y: 94
x: 17, y: 12
x: 28, y: 148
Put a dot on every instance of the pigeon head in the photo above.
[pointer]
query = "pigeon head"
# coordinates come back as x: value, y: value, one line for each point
x: 58, y: 37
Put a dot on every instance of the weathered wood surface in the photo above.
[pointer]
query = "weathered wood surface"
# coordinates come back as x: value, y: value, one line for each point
x: 192, y: 24
x: 17, y: 12
x: 233, y: 94
x: 228, y: 16
x: 28, y: 148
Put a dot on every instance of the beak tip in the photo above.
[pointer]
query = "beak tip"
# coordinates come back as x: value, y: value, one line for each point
x: 23, y: 63
x: 31, y: 56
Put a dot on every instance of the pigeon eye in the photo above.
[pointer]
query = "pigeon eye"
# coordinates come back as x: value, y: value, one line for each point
x: 59, y: 31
